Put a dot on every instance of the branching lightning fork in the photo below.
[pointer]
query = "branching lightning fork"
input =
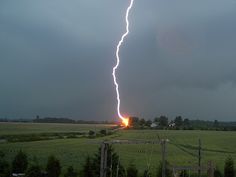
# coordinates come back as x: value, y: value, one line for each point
x: 124, y: 119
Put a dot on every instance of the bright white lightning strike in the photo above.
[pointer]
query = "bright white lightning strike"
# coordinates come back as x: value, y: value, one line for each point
x: 125, y: 120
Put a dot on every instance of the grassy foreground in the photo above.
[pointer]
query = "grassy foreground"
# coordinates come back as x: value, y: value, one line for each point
x: 181, y: 149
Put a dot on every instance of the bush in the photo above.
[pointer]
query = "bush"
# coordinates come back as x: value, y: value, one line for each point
x: 183, y: 173
x: 103, y: 132
x: 33, y: 171
x: 71, y: 172
x: 217, y: 173
x: 91, y: 133
x: 20, y: 163
x: 4, y: 166
x: 88, y: 169
x: 91, y: 167
x: 132, y: 171
x: 146, y: 173
x: 229, y: 167
x: 53, y: 167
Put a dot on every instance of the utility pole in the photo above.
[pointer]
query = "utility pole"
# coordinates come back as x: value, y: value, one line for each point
x: 210, y: 171
x: 117, y: 168
x: 199, y: 156
x: 102, y: 160
x: 163, y: 147
x: 111, y: 167
x: 103, y: 163
x: 104, y: 149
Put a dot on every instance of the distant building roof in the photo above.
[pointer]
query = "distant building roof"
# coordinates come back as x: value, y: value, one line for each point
x: 172, y: 125
x: 153, y: 125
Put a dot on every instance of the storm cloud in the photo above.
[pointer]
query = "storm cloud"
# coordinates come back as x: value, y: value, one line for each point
x: 56, y: 59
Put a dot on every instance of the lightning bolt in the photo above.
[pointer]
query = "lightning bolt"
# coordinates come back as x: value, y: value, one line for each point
x: 118, y: 62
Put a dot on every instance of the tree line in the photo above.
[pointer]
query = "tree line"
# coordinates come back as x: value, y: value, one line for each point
x: 90, y: 168
x: 55, y: 120
x: 161, y: 122
x: 180, y: 123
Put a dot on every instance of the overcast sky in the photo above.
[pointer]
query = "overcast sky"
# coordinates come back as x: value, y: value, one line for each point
x: 56, y: 59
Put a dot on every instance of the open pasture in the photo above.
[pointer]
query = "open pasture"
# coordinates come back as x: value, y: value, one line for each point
x: 181, y: 148
x: 11, y: 128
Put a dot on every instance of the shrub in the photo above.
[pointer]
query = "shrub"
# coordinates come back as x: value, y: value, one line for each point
x: 71, y: 172
x: 53, y: 167
x: 33, y: 171
x: 4, y: 166
x: 88, y: 170
x: 229, y: 167
x: 132, y: 171
x: 146, y: 173
x: 20, y: 163
x: 217, y: 173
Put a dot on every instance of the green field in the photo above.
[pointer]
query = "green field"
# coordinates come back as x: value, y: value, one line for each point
x: 181, y: 148
x: 26, y: 128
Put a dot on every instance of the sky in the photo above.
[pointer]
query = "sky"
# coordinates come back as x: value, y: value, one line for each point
x: 56, y: 59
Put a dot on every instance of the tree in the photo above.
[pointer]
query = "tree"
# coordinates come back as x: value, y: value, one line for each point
x: 133, y: 121
x: 217, y: 173
x: 34, y: 171
x: 146, y: 173
x: 4, y: 166
x: 142, y: 122
x: 71, y: 172
x: 103, y: 132
x: 216, y: 123
x: 186, y: 122
x: 178, y: 121
x: 148, y: 123
x: 92, y: 165
x: 132, y: 171
x: 183, y: 173
x: 113, y: 163
x: 88, y: 170
x: 53, y: 167
x: 20, y: 163
x: 162, y: 120
x: 229, y: 167
x: 91, y: 133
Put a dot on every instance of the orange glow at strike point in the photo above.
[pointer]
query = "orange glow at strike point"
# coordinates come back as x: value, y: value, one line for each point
x: 125, y: 122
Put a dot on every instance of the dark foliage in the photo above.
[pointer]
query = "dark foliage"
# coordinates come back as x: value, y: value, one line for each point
x: 34, y: 171
x: 162, y: 121
x: 229, y: 167
x: 146, y: 173
x: 41, y: 136
x: 103, y: 132
x: 134, y: 121
x: 20, y: 163
x: 53, y: 120
x: 4, y: 166
x: 70, y: 172
x: 178, y: 121
x: 217, y: 173
x: 132, y: 171
x: 91, y: 133
x: 91, y: 167
x: 53, y: 167
x: 148, y: 123
x: 183, y: 173
x: 88, y: 168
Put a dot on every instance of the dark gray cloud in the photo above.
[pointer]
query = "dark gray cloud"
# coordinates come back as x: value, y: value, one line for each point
x: 56, y: 58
